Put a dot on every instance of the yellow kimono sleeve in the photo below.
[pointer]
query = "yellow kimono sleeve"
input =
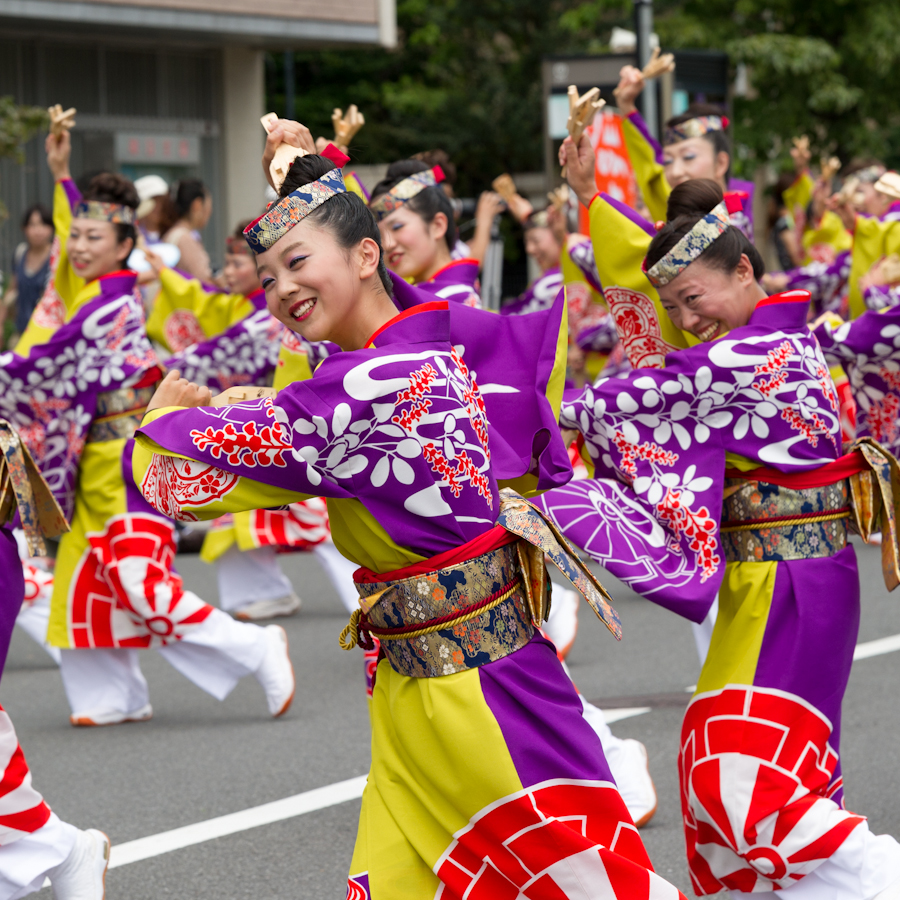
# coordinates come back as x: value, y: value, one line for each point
x: 649, y: 174
x: 293, y: 365
x: 68, y: 284
x: 245, y: 493
x: 215, y: 311
x: 830, y: 231
x: 620, y: 246
x: 799, y: 193
x: 872, y: 240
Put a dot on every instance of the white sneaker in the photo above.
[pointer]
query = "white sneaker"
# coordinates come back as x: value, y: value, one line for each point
x: 269, y: 609
x: 82, y: 874
x: 634, y: 781
x: 276, y: 674
x: 562, y: 625
x: 111, y: 717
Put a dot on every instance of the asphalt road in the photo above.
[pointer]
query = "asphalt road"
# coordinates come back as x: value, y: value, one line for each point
x: 198, y: 758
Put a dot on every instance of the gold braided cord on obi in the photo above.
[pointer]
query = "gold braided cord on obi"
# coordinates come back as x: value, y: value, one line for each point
x: 760, y: 524
x: 352, y: 627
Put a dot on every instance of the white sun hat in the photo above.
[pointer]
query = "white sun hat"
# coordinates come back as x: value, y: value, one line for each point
x: 148, y: 189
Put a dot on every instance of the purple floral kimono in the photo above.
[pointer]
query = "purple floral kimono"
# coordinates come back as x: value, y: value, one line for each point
x: 692, y: 464
x: 50, y: 396
x: 869, y: 350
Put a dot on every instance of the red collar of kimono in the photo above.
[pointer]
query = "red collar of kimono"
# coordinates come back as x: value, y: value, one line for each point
x: 468, y: 261
x: 786, y: 310
x: 120, y: 282
x: 434, y: 306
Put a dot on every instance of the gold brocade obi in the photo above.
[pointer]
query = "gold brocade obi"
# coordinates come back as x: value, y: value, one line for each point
x: 763, y: 522
x: 468, y: 613
x: 482, y: 604
x: 119, y: 413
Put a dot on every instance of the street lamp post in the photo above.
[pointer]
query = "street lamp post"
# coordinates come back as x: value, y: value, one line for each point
x: 643, y: 28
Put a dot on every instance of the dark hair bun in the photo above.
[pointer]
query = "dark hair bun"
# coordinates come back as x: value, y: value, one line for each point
x: 303, y: 170
x: 108, y: 187
x: 693, y: 198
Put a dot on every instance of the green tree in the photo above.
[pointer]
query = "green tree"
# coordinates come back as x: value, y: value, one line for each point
x: 466, y: 76
x: 17, y: 125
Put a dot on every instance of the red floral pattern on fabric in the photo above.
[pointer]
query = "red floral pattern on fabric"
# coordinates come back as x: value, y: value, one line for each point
x: 181, y: 329
x: 779, y: 832
x: 174, y: 485
x: 547, y: 842
x: 638, y: 327
x: 249, y: 444
x: 882, y: 419
x: 124, y: 592
x: 699, y: 526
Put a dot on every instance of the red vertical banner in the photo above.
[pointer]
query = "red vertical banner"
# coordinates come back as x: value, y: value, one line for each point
x: 612, y: 167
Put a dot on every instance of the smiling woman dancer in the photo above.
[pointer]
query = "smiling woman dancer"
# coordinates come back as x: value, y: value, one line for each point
x: 695, y: 145
x: 76, y: 393
x: 415, y: 218
x: 723, y: 470
x: 481, y: 759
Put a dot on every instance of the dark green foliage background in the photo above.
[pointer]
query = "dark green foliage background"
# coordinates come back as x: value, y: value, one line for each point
x: 466, y: 76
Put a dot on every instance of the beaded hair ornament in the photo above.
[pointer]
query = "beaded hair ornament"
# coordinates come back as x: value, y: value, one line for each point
x: 704, y: 233
x: 104, y: 212
x: 403, y: 192
x: 692, y: 128
x: 284, y: 214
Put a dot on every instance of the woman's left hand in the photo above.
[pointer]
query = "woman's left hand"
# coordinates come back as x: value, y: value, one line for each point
x: 174, y: 390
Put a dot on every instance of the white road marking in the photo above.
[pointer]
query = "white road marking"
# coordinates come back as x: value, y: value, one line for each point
x: 333, y: 794
x: 277, y: 811
x: 616, y: 715
x: 876, y: 648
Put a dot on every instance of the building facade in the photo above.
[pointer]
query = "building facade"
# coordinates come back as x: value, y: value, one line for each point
x: 168, y: 87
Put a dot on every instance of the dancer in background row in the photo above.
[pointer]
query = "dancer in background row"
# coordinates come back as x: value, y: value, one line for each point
x: 695, y: 145
x: 418, y: 231
x: 76, y: 397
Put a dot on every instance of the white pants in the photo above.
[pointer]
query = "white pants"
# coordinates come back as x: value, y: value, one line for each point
x: 340, y: 570
x: 246, y: 576
x: 863, y: 866
x: 214, y: 655
x: 33, y: 620
x: 24, y: 863
x: 703, y: 631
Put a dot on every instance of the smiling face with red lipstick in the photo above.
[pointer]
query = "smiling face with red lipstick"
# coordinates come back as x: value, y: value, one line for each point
x: 94, y: 248
x: 324, y: 277
x: 102, y: 234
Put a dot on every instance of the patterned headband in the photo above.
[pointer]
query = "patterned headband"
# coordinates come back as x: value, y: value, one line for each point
x: 692, y: 128
x: 237, y: 245
x: 701, y: 236
x: 104, y: 212
x: 283, y: 215
x: 403, y: 192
